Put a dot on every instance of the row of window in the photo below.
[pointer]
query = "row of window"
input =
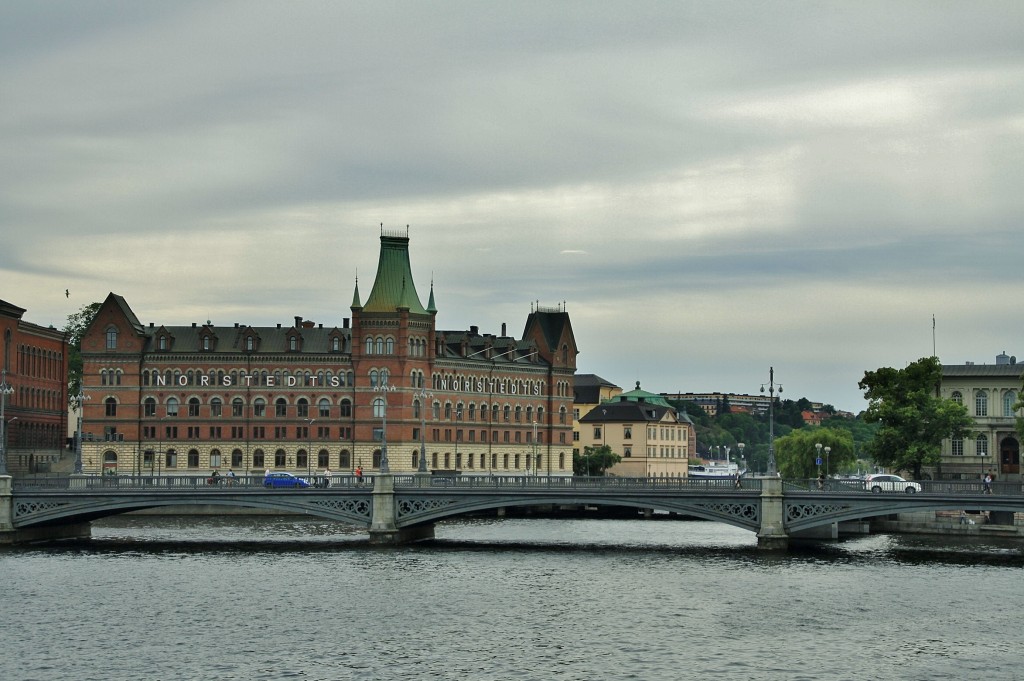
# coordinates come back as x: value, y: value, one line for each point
x: 981, y: 402
x: 980, y: 446
x: 325, y: 459
x: 39, y: 363
x: 39, y: 398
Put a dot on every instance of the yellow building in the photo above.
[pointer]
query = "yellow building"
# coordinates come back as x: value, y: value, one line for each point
x: 653, y: 439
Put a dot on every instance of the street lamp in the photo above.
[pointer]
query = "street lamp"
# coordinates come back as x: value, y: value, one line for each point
x: 771, y: 419
x: 80, y: 401
x: 5, y: 390
x: 309, y: 437
x: 827, y: 450
x: 817, y: 459
x: 423, y: 396
x: 743, y: 460
x: 385, y: 468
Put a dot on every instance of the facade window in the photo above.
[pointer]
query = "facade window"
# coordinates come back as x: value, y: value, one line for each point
x: 958, y: 446
x: 215, y: 458
x: 172, y: 406
x: 380, y: 351
x: 346, y: 408
x: 236, y: 458
x: 323, y: 458
x: 279, y: 459
x: 193, y: 406
x: 389, y: 346
x: 982, y: 445
x: 259, y: 407
x: 216, y: 406
x: 293, y: 343
x: 237, y: 407
x: 302, y: 408
x: 507, y: 412
x: 324, y: 408
x: 258, y: 459
x: 981, y: 403
x: 378, y: 409
x: 111, y: 405
x: 149, y: 407
x: 206, y: 342
x: 171, y: 459
x: 345, y: 459
x: 369, y: 346
x: 373, y: 378
x: 280, y: 407
x: 163, y: 343
x: 627, y: 432
x: 111, y: 339
x: 249, y: 344
x: 1009, y: 399
x: 193, y: 458
x: 957, y: 397
x: 597, y: 432
x: 561, y: 415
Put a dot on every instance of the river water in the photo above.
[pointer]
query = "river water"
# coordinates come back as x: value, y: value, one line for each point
x: 252, y: 598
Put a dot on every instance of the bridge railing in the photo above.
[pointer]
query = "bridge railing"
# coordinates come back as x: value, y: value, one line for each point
x: 572, y: 482
x: 958, y: 487
x: 196, y: 483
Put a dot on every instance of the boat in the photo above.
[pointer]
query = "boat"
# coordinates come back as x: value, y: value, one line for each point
x: 715, y: 470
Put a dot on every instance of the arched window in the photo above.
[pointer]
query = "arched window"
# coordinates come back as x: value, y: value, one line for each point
x: 163, y: 343
x: 335, y: 344
x: 981, y: 445
x: 958, y: 446
x: 302, y: 459
x: 193, y: 406
x: 280, y: 461
x: 323, y: 459
x: 346, y: 408
x: 258, y: 459
x: 507, y: 411
x: 471, y: 412
x: 324, y: 408
x: 249, y: 343
x: 302, y: 408
x: 172, y: 406
x: 259, y: 407
x: 374, y: 377
x: 236, y: 458
x: 206, y: 342
x: 519, y: 413
x: 193, y: 458
x: 389, y: 346
x: 237, y: 407
x: 436, y: 411
x: 957, y: 397
x: 369, y: 346
x: 448, y: 411
x: 416, y: 409
x: 344, y: 459
x: 111, y: 405
x: 149, y: 407
x: 293, y: 343
x: 170, y: 459
x: 216, y: 406
x: 214, y: 458
x: 378, y: 407
x: 280, y: 407
x: 981, y: 403
x: 1009, y: 399
x: 380, y: 349
x: 385, y: 377
x: 112, y: 338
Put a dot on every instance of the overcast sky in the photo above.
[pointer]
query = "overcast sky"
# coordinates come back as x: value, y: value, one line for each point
x: 711, y: 188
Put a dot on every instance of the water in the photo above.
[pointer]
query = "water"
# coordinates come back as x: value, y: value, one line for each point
x: 279, y: 598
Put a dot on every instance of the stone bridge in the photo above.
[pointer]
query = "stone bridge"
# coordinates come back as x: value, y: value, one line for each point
x: 400, y: 508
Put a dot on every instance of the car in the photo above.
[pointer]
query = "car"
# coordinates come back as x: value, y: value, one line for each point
x: 890, y: 483
x: 283, y: 480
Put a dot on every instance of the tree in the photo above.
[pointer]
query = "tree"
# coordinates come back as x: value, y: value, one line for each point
x: 594, y: 460
x: 796, y: 453
x: 912, y: 419
x: 76, y: 325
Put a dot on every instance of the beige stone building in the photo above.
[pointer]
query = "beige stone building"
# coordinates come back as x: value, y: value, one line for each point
x: 650, y: 436
x: 989, y: 391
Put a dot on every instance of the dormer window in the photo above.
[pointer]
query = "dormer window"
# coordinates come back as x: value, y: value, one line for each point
x: 293, y: 343
x: 249, y: 344
x: 112, y: 338
x: 206, y: 342
x: 335, y: 344
x: 162, y: 343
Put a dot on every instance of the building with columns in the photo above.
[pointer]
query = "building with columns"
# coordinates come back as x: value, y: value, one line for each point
x: 989, y: 391
x: 371, y: 392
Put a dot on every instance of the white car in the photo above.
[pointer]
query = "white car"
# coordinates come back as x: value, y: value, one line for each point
x: 890, y: 483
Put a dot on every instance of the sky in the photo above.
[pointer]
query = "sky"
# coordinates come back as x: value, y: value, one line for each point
x: 712, y: 190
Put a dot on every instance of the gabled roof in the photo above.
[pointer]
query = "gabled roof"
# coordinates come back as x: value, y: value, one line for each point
x: 271, y: 339
x: 627, y: 412
x: 638, y: 395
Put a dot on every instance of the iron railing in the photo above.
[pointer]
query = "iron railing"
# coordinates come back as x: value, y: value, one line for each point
x: 177, y: 483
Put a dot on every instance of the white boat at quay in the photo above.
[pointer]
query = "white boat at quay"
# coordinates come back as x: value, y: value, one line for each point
x: 715, y: 469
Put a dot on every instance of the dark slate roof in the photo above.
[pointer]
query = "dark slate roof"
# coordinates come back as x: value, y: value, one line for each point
x: 983, y: 370
x: 586, y: 388
x: 625, y: 412
x: 552, y: 325
x: 229, y: 339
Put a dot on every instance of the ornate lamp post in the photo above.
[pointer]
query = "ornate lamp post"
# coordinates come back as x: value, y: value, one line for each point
x: 772, y: 385
x: 5, y: 390
x: 817, y: 459
x: 385, y: 467
x: 423, y: 396
x: 80, y: 401
x: 309, y: 452
x: 828, y: 450
x: 743, y: 459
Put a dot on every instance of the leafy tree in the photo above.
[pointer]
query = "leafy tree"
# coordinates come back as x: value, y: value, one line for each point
x: 912, y: 419
x: 594, y: 460
x: 796, y: 454
x: 76, y: 325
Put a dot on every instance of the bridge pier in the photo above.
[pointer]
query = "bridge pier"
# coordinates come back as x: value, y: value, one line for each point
x: 772, y: 535
x: 384, y: 525
x: 10, y: 535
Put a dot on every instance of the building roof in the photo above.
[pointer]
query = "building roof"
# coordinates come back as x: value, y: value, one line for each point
x: 982, y: 370
x: 586, y: 388
x: 394, y: 289
x: 639, y: 395
x: 626, y: 412
x: 230, y: 340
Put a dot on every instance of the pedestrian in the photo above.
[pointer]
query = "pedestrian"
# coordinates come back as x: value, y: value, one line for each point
x: 327, y: 477
x: 736, y: 482
x: 963, y: 518
x: 359, y: 473
x: 821, y: 481
x: 988, y: 483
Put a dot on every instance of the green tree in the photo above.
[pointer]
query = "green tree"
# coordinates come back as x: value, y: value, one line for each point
x: 796, y: 453
x: 912, y: 419
x: 594, y: 460
x: 76, y: 325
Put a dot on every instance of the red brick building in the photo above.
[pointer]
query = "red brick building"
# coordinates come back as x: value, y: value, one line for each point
x: 303, y: 397
x: 35, y: 369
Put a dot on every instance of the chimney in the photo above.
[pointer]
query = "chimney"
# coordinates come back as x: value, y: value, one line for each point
x: 503, y: 334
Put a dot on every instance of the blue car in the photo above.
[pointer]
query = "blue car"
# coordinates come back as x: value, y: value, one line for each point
x: 283, y: 480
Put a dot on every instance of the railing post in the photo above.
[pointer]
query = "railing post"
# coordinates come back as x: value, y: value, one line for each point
x: 6, y: 504
x: 772, y: 535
